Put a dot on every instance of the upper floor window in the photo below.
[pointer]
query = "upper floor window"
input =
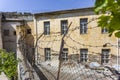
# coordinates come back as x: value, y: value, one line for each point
x: 14, y: 33
x: 28, y: 31
x: 104, y: 30
x: 83, y: 25
x: 47, y: 28
x: 83, y: 55
x: 6, y: 32
x: 105, y: 56
x: 47, y: 54
x: 64, y: 24
x: 65, y: 54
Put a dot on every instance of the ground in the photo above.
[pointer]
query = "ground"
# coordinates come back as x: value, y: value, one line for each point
x: 75, y: 71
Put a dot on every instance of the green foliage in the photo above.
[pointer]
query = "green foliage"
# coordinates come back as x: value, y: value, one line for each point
x: 100, y: 4
x: 110, y: 15
x: 8, y: 63
x: 103, y: 21
x: 117, y: 34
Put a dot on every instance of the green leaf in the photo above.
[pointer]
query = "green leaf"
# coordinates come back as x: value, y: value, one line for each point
x: 117, y: 34
x: 99, y: 4
x: 103, y: 21
x: 115, y: 22
x: 111, y: 15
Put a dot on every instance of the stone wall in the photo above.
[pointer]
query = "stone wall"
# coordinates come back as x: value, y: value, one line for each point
x: 9, y: 41
x: 74, y: 41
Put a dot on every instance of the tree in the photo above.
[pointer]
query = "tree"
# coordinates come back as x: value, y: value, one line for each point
x: 110, y: 15
x: 8, y: 63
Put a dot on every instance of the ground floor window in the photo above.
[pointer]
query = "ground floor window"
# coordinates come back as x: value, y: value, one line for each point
x: 83, y: 55
x: 47, y: 54
x: 105, y: 56
x: 65, y: 54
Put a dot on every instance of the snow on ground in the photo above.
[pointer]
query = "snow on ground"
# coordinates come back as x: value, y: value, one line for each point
x: 73, y: 71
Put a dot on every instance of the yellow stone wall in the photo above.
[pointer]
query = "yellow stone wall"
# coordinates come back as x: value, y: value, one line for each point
x: 93, y: 40
x: 29, y: 38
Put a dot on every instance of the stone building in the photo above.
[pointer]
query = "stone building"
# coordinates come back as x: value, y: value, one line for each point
x: 12, y: 25
x: 84, y: 42
x: 9, y: 34
x: 26, y: 40
x: 11, y: 21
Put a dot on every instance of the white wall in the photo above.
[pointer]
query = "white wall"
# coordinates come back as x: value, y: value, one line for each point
x: 9, y: 42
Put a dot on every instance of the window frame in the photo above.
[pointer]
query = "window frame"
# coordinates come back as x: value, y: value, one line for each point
x: 64, y: 26
x: 47, y: 28
x: 83, y: 55
x: 83, y: 29
x: 64, y: 54
x: 105, y: 57
x: 47, y: 54
x: 104, y: 30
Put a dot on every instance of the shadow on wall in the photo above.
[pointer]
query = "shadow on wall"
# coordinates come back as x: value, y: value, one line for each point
x: 9, y: 35
x: 94, y: 58
x: 27, y: 41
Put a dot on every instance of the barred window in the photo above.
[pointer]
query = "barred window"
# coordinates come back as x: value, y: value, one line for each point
x: 65, y: 54
x: 83, y: 25
x: 83, y: 55
x: 46, y: 28
x: 105, y: 56
x: 104, y: 30
x: 47, y: 54
x: 64, y: 26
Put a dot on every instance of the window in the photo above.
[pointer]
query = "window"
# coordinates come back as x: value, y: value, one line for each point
x: 46, y: 28
x: 6, y: 32
x: 83, y: 25
x: 83, y: 55
x: 47, y: 54
x: 65, y: 54
x: 104, y: 30
x: 105, y: 56
x: 64, y: 24
x: 28, y: 31
x: 14, y: 33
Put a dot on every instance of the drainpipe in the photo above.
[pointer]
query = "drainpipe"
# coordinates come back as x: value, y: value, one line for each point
x: 118, y: 55
x: 36, y: 44
x: 1, y: 36
x: 18, y: 53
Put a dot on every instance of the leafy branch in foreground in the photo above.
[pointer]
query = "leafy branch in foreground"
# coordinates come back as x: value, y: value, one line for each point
x: 110, y: 15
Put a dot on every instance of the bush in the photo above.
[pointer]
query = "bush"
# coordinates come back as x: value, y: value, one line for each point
x: 8, y: 63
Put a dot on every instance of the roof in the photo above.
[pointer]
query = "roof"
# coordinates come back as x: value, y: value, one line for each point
x: 65, y: 11
x: 16, y: 19
x: 12, y: 20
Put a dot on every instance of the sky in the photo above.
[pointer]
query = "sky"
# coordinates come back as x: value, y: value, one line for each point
x: 36, y: 6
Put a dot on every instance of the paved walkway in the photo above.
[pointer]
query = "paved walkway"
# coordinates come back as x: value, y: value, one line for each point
x: 39, y: 72
x: 28, y: 73
x: 3, y: 76
x: 25, y: 70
